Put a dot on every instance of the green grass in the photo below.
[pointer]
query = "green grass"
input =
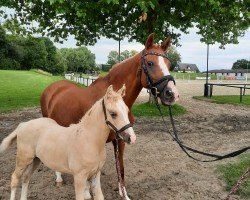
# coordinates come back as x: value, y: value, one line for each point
x: 226, y: 99
x: 150, y: 110
x: 233, y: 171
x: 19, y: 89
x: 190, y: 76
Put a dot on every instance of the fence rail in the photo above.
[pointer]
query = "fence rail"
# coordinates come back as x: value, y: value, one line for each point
x: 87, y: 81
x: 242, y: 86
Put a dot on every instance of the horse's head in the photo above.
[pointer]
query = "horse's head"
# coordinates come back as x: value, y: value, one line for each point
x: 156, y: 71
x: 116, y: 114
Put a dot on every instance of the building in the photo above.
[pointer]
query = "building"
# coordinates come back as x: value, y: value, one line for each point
x: 231, y: 73
x: 186, y: 67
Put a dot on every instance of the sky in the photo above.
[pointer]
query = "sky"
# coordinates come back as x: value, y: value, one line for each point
x: 191, y: 50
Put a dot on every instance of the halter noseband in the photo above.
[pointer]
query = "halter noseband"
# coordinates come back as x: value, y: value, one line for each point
x: 152, y: 86
x: 117, y: 132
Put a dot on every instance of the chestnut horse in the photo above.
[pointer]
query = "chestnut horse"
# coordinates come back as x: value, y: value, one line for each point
x: 66, y: 103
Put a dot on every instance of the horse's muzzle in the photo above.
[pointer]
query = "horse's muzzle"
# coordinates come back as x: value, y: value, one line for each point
x: 167, y: 96
x: 125, y: 137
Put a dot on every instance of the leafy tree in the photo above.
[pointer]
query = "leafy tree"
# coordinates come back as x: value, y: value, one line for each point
x: 242, y: 64
x: 51, y: 59
x: 173, y: 55
x: 216, y: 20
x: 113, y: 56
x: 3, y: 43
x: 78, y: 59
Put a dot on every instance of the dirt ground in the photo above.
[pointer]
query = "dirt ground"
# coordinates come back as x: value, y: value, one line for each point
x: 155, y: 166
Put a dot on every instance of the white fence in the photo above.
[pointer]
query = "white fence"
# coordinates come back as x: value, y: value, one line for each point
x: 82, y: 80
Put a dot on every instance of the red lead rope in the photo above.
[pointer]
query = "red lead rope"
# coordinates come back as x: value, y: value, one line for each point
x: 117, y: 163
x: 239, y: 182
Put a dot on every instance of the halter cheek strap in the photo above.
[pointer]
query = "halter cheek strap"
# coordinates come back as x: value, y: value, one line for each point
x: 153, y: 84
x: 117, y: 131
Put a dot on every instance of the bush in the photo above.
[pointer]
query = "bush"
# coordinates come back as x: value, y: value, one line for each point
x: 8, y: 63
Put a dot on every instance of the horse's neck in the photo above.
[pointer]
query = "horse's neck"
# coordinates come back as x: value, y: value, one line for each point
x: 93, y: 124
x: 126, y: 72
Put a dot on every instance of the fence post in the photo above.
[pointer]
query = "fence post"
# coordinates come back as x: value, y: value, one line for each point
x: 241, y: 94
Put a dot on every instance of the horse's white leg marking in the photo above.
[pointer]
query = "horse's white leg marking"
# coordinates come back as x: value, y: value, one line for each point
x: 120, y: 191
x: 24, y: 193
x: 59, y: 178
x: 87, y: 194
x: 13, y: 194
x: 96, y: 187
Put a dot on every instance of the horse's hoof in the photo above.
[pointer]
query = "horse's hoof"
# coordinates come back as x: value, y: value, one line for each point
x: 59, y: 184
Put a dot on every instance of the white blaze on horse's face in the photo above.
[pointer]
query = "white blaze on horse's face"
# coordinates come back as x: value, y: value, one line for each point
x: 165, y: 70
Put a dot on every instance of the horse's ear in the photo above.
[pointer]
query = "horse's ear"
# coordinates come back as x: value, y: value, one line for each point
x: 109, y: 92
x: 122, y: 91
x: 150, y: 41
x: 166, y: 43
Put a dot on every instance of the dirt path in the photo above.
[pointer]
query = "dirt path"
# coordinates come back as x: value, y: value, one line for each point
x: 156, y: 168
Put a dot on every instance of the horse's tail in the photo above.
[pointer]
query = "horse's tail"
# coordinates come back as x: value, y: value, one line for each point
x: 9, y: 140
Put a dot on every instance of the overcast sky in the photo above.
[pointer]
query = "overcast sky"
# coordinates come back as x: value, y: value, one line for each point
x: 191, y: 50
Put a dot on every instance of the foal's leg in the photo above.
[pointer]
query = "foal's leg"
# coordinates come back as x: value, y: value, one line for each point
x: 21, y: 166
x: 87, y: 194
x: 80, y: 184
x: 26, y: 177
x: 121, y: 146
x: 96, y: 187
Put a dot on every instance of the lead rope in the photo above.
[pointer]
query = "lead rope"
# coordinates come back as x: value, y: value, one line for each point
x: 238, y: 184
x: 117, y: 162
x: 185, y: 148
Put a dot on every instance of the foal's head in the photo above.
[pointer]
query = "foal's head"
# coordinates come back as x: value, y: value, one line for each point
x: 117, y: 114
x: 156, y: 68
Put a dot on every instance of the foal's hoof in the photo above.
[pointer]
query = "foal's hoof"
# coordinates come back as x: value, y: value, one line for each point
x: 59, y: 184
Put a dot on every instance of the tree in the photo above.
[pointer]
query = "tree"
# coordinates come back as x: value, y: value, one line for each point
x: 113, y: 56
x: 241, y: 64
x: 78, y: 59
x: 173, y: 55
x: 216, y: 20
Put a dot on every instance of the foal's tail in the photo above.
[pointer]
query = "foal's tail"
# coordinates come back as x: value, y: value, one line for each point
x: 9, y: 140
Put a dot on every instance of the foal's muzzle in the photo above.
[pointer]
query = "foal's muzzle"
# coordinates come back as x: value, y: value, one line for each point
x: 125, y: 137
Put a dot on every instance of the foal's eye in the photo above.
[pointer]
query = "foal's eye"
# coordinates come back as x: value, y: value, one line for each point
x: 113, y: 114
x: 150, y: 63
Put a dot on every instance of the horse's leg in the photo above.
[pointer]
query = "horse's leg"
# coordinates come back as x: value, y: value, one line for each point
x: 21, y: 166
x: 26, y: 177
x: 59, y: 180
x: 121, y: 146
x: 80, y: 184
x: 96, y: 187
x: 87, y: 194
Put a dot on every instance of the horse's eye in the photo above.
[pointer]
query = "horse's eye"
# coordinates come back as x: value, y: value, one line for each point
x: 150, y: 63
x: 113, y: 114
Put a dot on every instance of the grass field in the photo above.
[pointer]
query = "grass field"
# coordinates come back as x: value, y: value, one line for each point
x: 232, y: 172
x: 150, y: 110
x: 226, y: 99
x: 20, y: 89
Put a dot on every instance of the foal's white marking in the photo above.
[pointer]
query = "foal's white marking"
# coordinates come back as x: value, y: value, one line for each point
x: 24, y: 193
x: 13, y: 194
x: 163, y: 66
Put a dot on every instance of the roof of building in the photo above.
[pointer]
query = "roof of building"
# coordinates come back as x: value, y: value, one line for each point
x: 186, y: 67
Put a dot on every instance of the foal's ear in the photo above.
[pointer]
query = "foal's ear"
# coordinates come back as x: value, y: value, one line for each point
x: 122, y: 91
x: 166, y: 43
x: 150, y: 41
x: 109, y: 92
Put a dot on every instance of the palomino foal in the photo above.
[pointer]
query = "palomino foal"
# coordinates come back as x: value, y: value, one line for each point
x: 78, y: 150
